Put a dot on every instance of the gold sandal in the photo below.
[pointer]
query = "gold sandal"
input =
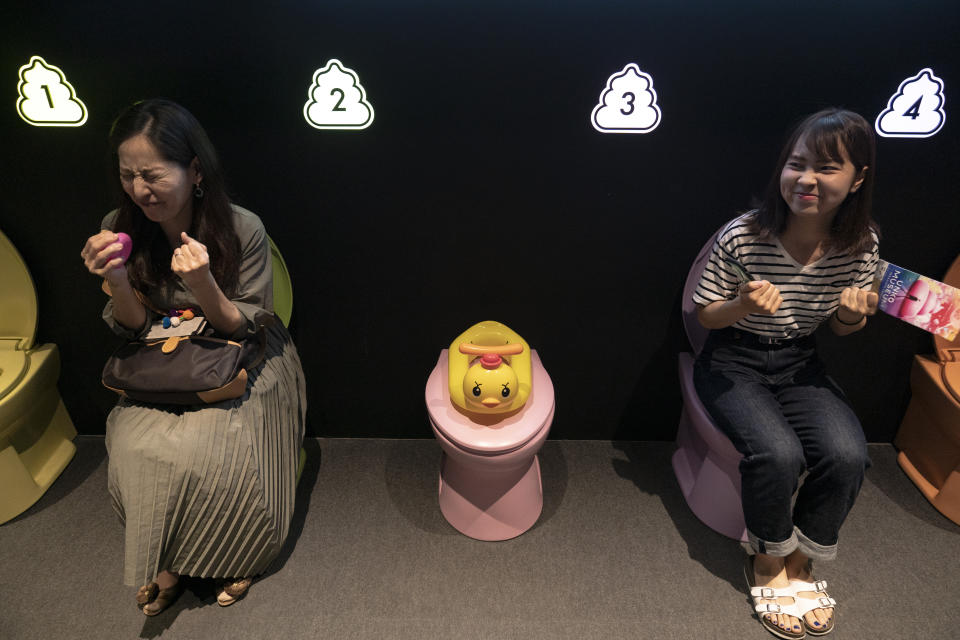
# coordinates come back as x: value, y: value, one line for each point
x: 147, y: 594
x: 233, y: 590
x: 164, y: 598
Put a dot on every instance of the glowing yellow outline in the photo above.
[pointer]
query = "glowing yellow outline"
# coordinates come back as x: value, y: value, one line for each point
x: 63, y: 79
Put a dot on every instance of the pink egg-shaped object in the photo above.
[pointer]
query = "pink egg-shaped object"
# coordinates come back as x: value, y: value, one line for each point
x: 915, y: 299
x: 127, y: 243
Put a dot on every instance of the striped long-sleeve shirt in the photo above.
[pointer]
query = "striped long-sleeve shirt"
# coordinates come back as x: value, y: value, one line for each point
x: 811, y: 293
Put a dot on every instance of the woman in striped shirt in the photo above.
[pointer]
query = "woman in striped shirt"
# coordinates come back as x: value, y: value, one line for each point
x: 806, y: 256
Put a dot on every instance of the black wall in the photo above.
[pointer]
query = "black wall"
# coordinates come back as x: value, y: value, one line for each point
x: 481, y: 191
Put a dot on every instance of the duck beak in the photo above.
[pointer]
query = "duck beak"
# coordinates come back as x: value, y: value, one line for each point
x: 490, y: 402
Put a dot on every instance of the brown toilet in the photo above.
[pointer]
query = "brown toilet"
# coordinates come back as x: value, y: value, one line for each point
x: 929, y: 436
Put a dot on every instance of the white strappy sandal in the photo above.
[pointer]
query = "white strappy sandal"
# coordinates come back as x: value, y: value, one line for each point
x: 765, y: 610
x: 806, y: 605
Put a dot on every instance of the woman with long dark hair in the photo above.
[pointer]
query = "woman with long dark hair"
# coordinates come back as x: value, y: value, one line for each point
x: 204, y: 491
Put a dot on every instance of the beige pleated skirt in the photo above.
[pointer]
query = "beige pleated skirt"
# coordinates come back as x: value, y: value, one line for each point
x: 209, y: 491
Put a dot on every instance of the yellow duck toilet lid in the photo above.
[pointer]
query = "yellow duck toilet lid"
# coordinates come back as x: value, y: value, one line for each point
x: 500, y: 437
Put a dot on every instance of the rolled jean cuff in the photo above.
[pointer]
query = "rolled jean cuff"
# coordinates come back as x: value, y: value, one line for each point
x: 778, y: 549
x: 813, y: 550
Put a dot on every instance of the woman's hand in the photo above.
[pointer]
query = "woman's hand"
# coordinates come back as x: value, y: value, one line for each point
x: 759, y: 296
x: 98, y: 257
x: 855, y: 304
x: 191, y: 262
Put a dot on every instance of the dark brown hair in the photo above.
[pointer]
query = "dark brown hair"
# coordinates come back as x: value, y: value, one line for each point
x: 825, y: 134
x: 179, y: 138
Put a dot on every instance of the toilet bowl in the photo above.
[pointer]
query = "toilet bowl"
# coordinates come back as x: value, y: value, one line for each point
x: 490, y: 486
x: 36, y: 432
x: 706, y: 464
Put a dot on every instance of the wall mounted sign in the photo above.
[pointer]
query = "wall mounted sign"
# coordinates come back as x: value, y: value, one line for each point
x: 915, y: 110
x: 46, y: 98
x: 337, y: 100
x: 628, y: 104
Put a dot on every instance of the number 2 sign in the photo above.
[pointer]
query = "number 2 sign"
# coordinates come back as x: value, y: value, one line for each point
x: 46, y: 98
x: 336, y: 99
x: 628, y: 103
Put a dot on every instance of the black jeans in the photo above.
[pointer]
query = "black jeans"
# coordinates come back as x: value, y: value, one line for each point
x: 785, y: 415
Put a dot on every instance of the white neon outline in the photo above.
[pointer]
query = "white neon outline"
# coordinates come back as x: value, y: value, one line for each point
x: 596, y: 110
x: 64, y: 81
x: 333, y: 62
x: 939, y: 109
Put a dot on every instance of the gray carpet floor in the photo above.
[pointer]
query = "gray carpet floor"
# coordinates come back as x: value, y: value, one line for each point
x: 616, y: 554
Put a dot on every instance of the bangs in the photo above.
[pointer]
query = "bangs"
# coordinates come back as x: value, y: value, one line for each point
x: 824, y: 138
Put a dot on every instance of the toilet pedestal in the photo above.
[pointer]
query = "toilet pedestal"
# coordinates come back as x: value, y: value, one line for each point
x: 490, y: 504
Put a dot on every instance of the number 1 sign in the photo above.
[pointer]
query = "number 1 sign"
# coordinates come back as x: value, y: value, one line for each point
x: 628, y: 104
x: 46, y: 98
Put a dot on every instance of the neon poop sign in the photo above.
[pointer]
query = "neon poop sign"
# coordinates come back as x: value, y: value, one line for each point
x: 628, y: 104
x: 915, y: 110
x: 46, y: 98
x: 336, y: 99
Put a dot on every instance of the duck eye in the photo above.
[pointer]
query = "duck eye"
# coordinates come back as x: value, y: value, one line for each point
x: 505, y: 392
x: 476, y: 388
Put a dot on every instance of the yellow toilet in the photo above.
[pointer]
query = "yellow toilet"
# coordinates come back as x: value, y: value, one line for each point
x: 35, y: 429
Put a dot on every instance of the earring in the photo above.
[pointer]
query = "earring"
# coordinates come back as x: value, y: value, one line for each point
x: 197, y: 191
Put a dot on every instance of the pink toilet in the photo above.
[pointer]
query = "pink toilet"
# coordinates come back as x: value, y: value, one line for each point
x: 706, y: 464
x: 490, y: 486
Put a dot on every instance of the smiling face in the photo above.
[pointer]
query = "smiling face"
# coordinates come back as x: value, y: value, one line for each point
x: 816, y: 187
x: 162, y: 189
x: 490, y: 386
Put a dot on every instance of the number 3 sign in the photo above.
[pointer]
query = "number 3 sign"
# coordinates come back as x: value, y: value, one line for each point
x: 628, y: 104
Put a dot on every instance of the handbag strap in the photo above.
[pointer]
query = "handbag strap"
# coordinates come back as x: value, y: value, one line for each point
x: 261, y: 334
x: 144, y: 300
x: 261, y: 338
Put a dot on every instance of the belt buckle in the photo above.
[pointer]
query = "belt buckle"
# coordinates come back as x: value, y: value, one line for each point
x: 766, y: 340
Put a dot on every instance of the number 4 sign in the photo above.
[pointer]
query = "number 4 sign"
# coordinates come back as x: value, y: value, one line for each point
x: 628, y: 104
x: 915, y: 110
x: 46, y: 98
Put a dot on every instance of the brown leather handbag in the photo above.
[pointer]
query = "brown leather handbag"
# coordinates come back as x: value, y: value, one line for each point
x: 198, y: 368
x: 194, y: 369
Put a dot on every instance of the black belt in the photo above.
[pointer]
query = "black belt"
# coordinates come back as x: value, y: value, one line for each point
x: 747, y: 337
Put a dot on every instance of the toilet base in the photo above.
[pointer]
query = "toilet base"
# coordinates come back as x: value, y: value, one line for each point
x: 490, y: 503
